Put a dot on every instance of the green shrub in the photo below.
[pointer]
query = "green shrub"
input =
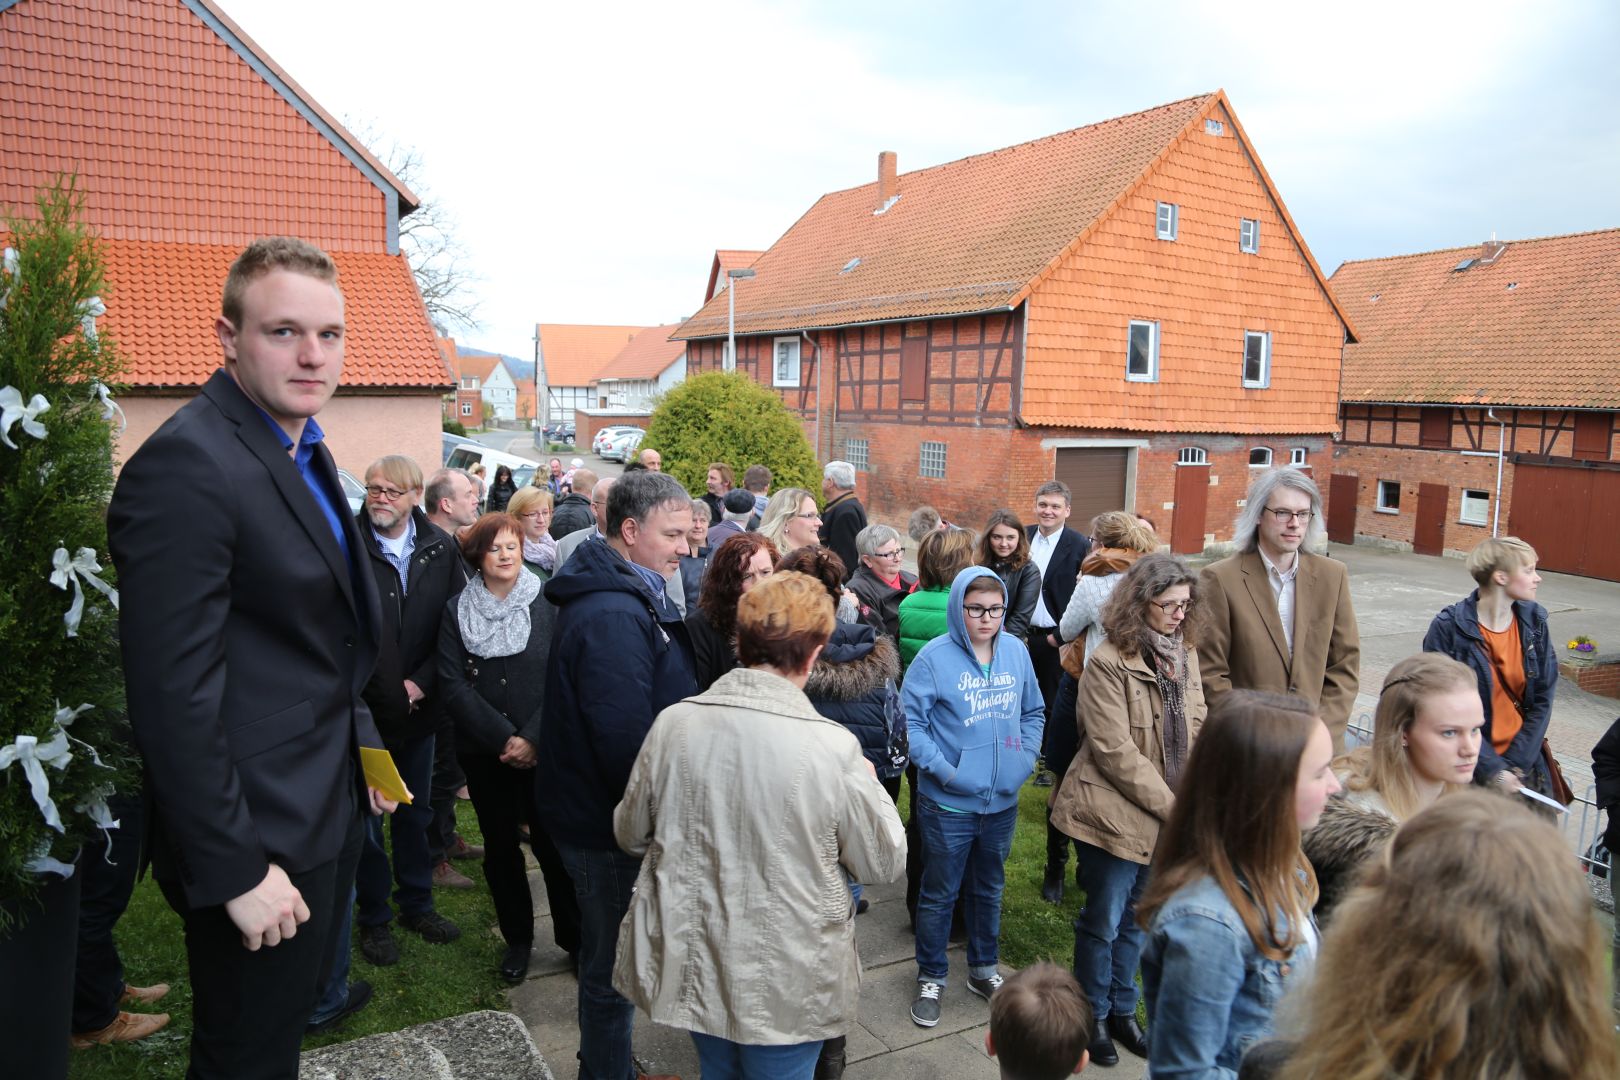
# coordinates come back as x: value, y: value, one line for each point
x: 455, y: 427
x: 726, y: 416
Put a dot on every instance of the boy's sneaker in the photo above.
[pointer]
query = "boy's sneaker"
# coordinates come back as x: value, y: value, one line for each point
x: 378, y: 946
x: 987, y: 986
x: 434, y: 928
x: 925, y: 1010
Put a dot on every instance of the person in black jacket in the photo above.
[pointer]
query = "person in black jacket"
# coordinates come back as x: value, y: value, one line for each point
x: 734, y: 567
x: 494, y: 641
x: 1005, y: 549
x: 501, y: 490
x: 1606, y: 772
x: 417, y: 572
x: 879, y: 583
x: 573, y: 512
x: 1057, y: 551
x: 843, y: 517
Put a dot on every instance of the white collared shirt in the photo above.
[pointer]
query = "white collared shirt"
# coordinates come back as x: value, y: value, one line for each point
x: 398, y: 551
x: 1282, y: 587
x: 1041, y: 548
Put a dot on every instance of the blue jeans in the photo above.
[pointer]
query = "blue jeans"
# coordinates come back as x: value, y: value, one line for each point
x: 335, y: 989
x: 722, y: 1059
x: 1107, y: 941
x: 413, y: 866
x: 964, y: 853
x: 603, y: 882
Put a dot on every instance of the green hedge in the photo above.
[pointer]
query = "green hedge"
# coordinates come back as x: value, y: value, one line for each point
x: 726, y: 416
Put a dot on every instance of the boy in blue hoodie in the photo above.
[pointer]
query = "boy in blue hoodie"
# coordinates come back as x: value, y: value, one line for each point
x: 974, y: 713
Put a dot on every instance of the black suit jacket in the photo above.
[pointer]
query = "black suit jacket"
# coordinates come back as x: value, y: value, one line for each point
x: 1057, y: 584
x: 841, y: 523
x: 247, y: 641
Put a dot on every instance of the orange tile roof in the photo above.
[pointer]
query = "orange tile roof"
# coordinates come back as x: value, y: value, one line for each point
x: 647, y: 355
x: 162, y: 298
x: 173, y: 134
x: 525, y: 399
x: 475, y: 365
x: 574, y: 354
x: 727, y: 259
x: 1538, y: 326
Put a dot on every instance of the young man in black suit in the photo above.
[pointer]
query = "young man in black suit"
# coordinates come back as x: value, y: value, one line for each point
x: 249, y: 631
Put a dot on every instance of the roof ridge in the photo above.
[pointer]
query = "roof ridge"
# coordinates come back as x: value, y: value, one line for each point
x: 1475, y: 247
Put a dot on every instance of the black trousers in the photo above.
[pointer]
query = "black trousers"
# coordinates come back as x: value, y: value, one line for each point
x: 250, y: 1008
x: 1062, y: 746
x: 503, y: 799
x: 1048, y: 669
x: 107, y: 867
x: 447, y: 780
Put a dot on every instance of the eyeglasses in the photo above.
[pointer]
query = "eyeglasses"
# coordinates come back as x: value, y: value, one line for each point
x: 1170, y: 607
x: 895, y: 554
x: 377, y: 491
x: 535, y: 515
x: 811, y: 516
x: 1285, y: 516
x: 979, y: 611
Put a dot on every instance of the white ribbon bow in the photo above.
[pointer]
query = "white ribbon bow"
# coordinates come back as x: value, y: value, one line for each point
x: 69, y: 572
x: 33, y: 755
x: 13, y: 410
x: 8, y: 272
x: 89, y: 310
x: 109, y: 407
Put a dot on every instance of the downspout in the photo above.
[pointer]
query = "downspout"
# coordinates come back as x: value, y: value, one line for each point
x: 1501, y: 446
x: 816, y: 346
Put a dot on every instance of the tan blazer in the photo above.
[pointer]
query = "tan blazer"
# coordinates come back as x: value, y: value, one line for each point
x: 1242, y: 643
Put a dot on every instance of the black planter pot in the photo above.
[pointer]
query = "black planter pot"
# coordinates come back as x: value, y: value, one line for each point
x: 36, y: 979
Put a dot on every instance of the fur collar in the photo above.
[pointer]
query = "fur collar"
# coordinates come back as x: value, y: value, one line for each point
x: 856, y: 678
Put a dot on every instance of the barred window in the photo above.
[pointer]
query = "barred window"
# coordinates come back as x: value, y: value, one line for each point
x: 932, y: 461
x: 855, y: 452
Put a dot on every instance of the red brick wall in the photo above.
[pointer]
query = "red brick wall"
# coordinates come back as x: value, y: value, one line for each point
x: 586, y: 425
x: 1593, y: 678
x: 1411, y: 467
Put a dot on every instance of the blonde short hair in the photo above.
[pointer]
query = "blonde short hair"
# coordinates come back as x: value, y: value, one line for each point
x: 1505, y: 553
x: 529, y: 498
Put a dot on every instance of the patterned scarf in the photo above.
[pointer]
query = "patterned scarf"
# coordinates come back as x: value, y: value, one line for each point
x: 541, y: 552
x: 1168, y: 655
x: 492, y: 627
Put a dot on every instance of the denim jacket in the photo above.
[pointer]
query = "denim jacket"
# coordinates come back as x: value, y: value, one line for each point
x: 1210, y: 993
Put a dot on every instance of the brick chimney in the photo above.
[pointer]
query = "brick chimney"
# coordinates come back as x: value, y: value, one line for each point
x: 1489, y: 250
x: 888, y: 184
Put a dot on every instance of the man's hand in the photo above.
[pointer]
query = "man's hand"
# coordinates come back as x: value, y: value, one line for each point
x: 269, y: 912
x: 413, y: 693
x: 382, y: 804
x: 519, y: 753
x: 1510, y: 783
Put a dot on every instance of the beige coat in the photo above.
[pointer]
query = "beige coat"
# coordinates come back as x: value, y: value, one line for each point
x: 1243, y: 644
x: 749, y: 807
x: 1114, y: 795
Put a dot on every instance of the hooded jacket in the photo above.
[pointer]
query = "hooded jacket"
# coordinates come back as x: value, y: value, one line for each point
x: 851, y: 683
x: 974, y: 735
x: 1455, y: 632
x: 619, y: 657
x: 1354, y: 827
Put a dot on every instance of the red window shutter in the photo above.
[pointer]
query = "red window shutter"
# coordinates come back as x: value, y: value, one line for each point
x: 914, y: 369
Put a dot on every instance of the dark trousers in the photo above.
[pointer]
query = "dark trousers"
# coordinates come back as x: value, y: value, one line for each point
x: 1063, y: 743
x: 503, y: 799
x: 1048, y: 669
x: 412, y: 868
x: 603, y: 882
x: 447, y: 780
x: 107, y: 871
x: 250, y: 1008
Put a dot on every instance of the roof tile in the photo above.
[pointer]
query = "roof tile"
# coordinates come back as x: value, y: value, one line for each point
x: 646, y: 357
x: 575, y: 354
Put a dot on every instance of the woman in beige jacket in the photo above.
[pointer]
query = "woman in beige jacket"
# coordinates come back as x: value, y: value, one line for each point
x: 749, y: 808
x: 1141, y: 704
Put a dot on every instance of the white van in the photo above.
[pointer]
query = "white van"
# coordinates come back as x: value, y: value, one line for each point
x: 467, y: 455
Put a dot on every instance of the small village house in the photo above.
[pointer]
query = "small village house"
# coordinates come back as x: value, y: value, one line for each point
x: 568, y: 358
x: 644, y: 369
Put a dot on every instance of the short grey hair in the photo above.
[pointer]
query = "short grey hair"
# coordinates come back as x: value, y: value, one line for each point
x: 869, y: 539
x: 637, y: 494
x: 443, y: 486
x: 1246, y: 530
x: 841, y: 473
x: 700, y: 509
x: 924, y: 520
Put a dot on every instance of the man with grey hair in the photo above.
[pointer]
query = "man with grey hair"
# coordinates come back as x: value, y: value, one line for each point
x: 619, y: 656
x: 1277, y: 617
x: 843, y: 516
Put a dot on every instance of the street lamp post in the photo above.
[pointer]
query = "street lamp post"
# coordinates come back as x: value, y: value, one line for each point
x: 731, y: 318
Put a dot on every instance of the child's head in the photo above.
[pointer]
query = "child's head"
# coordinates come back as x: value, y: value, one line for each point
x: 1499, y: 555
x: 984, y: 608
x: 1040, y: 1025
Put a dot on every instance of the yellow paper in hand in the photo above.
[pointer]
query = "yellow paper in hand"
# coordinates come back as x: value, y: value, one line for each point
x: 383, y: 775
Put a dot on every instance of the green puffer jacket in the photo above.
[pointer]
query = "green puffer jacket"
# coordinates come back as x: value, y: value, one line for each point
x: 922, y: 619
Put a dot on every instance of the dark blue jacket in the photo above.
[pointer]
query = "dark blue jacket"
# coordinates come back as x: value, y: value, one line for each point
x: 1455, y: 632
x: 853, y: 683
x: 619, y: 657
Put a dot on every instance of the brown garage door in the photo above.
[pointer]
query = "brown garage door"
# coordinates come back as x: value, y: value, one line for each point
x: 1571, y: 515
x: 1096, y: 477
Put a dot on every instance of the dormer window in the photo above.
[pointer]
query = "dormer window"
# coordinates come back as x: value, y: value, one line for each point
x: 1215, y: 128
x: 1249, y: 235
x: 1168, y: 221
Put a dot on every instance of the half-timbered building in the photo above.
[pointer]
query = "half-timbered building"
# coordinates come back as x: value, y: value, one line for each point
x: 1127, y: 306
x: 1481, y: 395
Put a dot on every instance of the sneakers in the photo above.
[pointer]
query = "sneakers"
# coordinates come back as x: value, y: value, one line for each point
x: 126, y: 1027
x: 144, y: 995
x: 446, y: 876
x: 463, y: 850
x: 987, y: 986
x: 925, y: 1010
x: 434, y: 928
x: 378, y: 946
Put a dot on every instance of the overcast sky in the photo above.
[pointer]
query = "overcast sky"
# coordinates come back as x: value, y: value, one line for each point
x: 595, y: 155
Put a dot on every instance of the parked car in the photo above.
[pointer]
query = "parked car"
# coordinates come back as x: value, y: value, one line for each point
x: 353, y: 490
x: 607, y: 434
x: 473, y: 453
x: 623, y: 445
x: 450, y: 442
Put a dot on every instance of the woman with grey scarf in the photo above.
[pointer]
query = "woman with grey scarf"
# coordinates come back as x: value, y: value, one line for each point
x: 494, y: 641
x: 1141, y: 703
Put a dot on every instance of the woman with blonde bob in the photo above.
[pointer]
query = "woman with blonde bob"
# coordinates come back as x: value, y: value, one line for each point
x: 791, y: 520
x: 742, y: 895
x: 1426, y: 736
x: 1471, y: 952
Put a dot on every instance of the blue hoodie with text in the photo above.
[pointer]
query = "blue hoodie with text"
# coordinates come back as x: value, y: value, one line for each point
x: 975, y: 734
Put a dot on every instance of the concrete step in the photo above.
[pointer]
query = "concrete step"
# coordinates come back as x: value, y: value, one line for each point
x: 485, y: 1045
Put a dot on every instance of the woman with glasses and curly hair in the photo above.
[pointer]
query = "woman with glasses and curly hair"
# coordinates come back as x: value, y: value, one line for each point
x: 734, y: 567
x: 1143, y: 704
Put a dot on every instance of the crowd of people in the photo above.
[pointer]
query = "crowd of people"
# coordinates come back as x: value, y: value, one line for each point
x: 699, y: 713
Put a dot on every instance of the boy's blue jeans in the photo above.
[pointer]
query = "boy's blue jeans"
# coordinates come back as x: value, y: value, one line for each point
x: 964, y: 853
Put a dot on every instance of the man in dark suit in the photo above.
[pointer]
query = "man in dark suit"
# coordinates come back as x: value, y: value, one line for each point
x: 842, y: 517
x: 249, y: 631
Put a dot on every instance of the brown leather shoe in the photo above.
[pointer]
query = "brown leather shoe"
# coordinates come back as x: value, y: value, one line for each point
x: 463, y: 850
x: 126, y: 1028
x: 145, y: 995
x: 446, y: 876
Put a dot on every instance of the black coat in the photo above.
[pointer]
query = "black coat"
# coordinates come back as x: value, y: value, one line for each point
x: 1023, y: 586
x: 1062, y: 570
x: 1606, y: 771
x: 693, y: 567
x: 499, y: 496
x: 712, y: 655
x: 408, y: 646
x: 573, y: 514
x: 493, y: 698
x: 853, y: 683
x: 880, y: 603
x: 841, y: 522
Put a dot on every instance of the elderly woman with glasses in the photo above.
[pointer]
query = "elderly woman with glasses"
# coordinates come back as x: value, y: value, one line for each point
x: 879, y: 583
x: 1142, y: 704
x: 532, y: 507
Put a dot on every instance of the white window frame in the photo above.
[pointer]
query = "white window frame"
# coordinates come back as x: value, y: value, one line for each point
x: 777, y: 378
x: 939, y: 450
x: 1192, y: 455
x: 1298, y: 457
x: 858, y: 452
x: 466, y: 408
x: 1474, y: 497
x: 1167, y: 222
x: 1264, y: 381
x: 1152, y: 374
x: 1214, y: 127
x: 1381, y: 505
x: 1249, y: 235
x: 1267, y: 457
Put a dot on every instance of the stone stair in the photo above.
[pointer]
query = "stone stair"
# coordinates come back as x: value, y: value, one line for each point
x: 484, y: 1045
